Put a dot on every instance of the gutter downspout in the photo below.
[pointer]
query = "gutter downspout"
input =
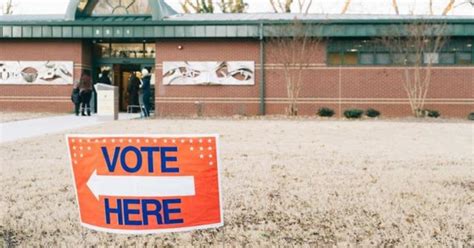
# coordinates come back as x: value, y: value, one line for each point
x: 262, y: 72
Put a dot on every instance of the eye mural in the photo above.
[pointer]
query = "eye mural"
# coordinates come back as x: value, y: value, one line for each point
x: 208, y: 72
x: 36, y: 72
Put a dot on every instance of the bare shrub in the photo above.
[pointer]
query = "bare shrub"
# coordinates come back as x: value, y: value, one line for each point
x: 416, y: 47
x: 296, y: 51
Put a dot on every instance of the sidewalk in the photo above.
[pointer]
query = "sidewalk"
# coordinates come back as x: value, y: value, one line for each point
x: 15, y: 130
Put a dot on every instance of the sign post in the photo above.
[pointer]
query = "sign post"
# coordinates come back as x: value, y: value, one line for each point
x: 146, y: 183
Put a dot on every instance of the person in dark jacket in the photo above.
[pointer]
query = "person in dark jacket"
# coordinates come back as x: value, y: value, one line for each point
x: 76, y: 98
x: 133, y: 88
x: 146, y: 90
x: 104, y: 78
x: 85, y: 92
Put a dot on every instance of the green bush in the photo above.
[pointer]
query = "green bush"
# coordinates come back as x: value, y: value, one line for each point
x: 325, y: 112
x: 353, y: 113
x: 432, y: 113
x: 471, y: 116
x: 372, y: 113
x: 427, y: 113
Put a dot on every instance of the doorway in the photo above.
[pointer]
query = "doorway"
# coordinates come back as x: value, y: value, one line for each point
x: 121, y: 74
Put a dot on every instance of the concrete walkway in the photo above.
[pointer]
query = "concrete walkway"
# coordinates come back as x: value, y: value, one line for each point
x: 15, y: 130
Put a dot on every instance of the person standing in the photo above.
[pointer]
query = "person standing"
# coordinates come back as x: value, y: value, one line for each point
x: 85, y: 92
x: 133, y: 88
x: 146, y: 90
x: 104, y: 78
x: 75, y: 97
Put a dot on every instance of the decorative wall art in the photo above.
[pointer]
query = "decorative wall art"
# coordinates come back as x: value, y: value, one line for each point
x: 36, y: 72
x: 208, y: 72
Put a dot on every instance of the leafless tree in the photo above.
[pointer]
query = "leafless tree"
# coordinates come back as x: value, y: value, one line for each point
x: 285, y: 6
x: 452, y: 4
x: 197, y: 6
x: 295, y: 51
x: 304, y: 5
x: 281, y: 6
x: 395, y: 7
x: 449, y: 7
x: 7, y: 8
x: 416, y: 47
x: 347, y: 3
x: 233, y: 6
x: 465, y: 2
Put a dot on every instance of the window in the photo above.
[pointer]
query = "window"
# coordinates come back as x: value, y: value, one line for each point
x: 458, y: 51
x: 125, y: 50
x: 412, y: 59
x: 398, y: 58
x: 102, y: 50
x: 350, y: 58
x: 82, y: 4
x: 366, y: 59
x: 334, y: 59
x: 446, y: 58
x: 383, y: 58
x: 122, y: 7
x: 431, y: 58
x: 463, y: 58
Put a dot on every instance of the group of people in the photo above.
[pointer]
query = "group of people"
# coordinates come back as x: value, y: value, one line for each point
x: 139, y: 90
x: 81, y: 94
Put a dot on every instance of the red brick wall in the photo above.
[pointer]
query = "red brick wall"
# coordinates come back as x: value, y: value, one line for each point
x: 451, y: 90
x: 53, y: 98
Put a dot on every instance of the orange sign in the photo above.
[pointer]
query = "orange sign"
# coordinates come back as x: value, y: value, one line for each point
x: 146, y: 183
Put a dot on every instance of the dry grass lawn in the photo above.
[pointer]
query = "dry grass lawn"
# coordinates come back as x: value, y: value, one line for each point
x: 285, y: 183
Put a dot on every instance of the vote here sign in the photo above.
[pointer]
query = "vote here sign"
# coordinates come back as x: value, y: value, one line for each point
x: 146, y: 183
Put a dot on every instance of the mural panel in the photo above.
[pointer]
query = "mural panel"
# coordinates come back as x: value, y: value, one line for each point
x: 208, y: 72
x: 36, y: 72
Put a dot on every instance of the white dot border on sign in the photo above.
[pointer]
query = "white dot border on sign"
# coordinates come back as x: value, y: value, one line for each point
x: 202, y: 146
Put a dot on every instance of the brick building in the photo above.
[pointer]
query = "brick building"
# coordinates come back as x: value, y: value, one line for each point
x: 219, y: 64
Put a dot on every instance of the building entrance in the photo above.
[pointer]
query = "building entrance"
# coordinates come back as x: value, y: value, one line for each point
x: 119, y: 60
x: 128, y: 95
x: 119, y: 75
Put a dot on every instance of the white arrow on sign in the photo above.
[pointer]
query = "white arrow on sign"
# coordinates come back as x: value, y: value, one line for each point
x: 144, y: 186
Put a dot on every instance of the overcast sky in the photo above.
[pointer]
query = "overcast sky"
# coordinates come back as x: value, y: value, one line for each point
x: 319, y: 6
